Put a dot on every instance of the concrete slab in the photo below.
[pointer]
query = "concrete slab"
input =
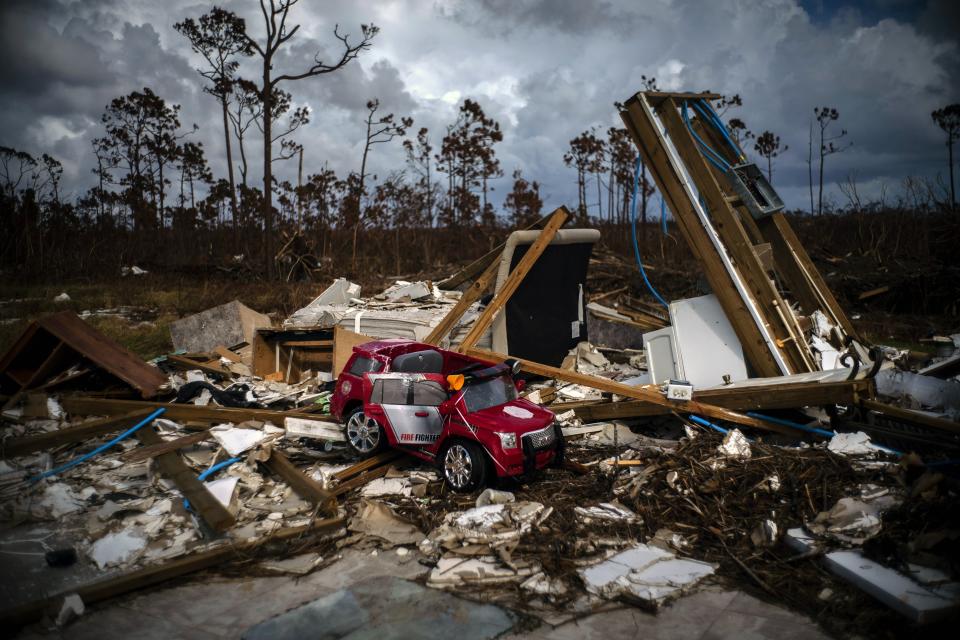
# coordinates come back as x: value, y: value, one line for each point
x: 386, y: 609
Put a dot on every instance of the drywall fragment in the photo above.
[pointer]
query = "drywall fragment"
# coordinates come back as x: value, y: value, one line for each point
x: 235, y: 440
x: 648, y: 574
x: 319, y: 429
x: 493, y: 496
x: 117, y: 548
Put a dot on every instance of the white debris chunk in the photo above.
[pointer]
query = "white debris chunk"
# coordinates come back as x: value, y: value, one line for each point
x: 63, y: 297
x: 225, y: 491
x: 455, y: 571
x: 492, y: 496
x: 386, y: 487
x: 59, y: 500
x: 852, y: 444
x: 648, y: 574
x: 235, y: 440
x: 735, y: 445
x: 117, y: 548
x: 70, y: 609
x: 850, y: 520
x: 606, y: 511
x: 764, y: 534
x: 319, y: 429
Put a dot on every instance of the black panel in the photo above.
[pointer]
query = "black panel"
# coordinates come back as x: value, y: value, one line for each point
x: 541, y: 312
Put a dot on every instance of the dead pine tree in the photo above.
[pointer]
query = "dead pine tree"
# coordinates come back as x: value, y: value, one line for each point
x: 825, y: 116
x: 379, y: 130
x: 767, y: 145
x: 218, y: 36
x: 276, y: 34
x: 948, y: 119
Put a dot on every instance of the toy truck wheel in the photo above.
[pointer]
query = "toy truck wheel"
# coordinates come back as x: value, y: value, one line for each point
x: 464, y: 466
x: 364, y: 435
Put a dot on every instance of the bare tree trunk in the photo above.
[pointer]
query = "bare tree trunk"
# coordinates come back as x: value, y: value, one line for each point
x: 810, y: 165
x: 267, y: 166
x: 820, y: 189
x: 953, y: 195
x: 300, y: 191
x: 233, y: 185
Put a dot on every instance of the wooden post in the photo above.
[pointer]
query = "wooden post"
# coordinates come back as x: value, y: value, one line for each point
x: 471, y: 295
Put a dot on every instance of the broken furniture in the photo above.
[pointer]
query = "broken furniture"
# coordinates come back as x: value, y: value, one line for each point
x: 61, y: 347
x: 288, y: 355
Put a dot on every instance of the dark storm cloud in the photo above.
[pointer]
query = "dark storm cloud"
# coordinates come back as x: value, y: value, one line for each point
x: 546, y: 70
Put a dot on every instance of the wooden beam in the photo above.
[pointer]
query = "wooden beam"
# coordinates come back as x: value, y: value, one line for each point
x: 84, y: 405
x: 304, y: 486
x: 644, y: 132
x: 778, y: 226
x: 515, y: 278
x: 188, y: 364
x: 360, y: 480
x: 74, y: 433
x: 915, y: 417
x: 167, y: 446
x: 471, y: 295
x: 365, y: 465
x: 125, y: 583
x: 785, y: 396
x: 638, y: 393
x: 173, y: 467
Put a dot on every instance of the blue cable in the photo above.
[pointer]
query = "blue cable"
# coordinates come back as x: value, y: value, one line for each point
x: 209, y: 472
x: 98, y: 450
x: 793, y: 425
x: 663, y: 217
x: 821, y: 432
x: 703, y: 108
x: 715, y: 158
x: 633, y: 230
x: 706, y: 423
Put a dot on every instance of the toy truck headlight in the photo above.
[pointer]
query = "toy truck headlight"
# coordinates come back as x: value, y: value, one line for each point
x: 345, y: 387
x: 508, y: 440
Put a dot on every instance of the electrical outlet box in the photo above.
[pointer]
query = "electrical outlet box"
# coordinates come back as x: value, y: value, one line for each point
x: 756, y: 193
x: 679, y: 390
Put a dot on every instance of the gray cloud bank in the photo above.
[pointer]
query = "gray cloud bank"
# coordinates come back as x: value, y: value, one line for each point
x: 546, y: 70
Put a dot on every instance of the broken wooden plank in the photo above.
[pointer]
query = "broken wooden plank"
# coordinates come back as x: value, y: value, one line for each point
x: 173, y: 467
x: 638, y: 393
x: 784, y: 396
x: 364, y: 465
x: 188, y: 364
x: 866, y: 295
x: 361, y: 480
x: 86, y: 405
x: 915, y: 417
x: 304, y: 486
x: 516, y: 276
x: 74, y: 433
x: 471, y: 295
x: 125, y: 583
x: 154, y: 450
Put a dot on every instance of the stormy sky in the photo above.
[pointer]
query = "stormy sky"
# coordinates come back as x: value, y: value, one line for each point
x: 546, y: 70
